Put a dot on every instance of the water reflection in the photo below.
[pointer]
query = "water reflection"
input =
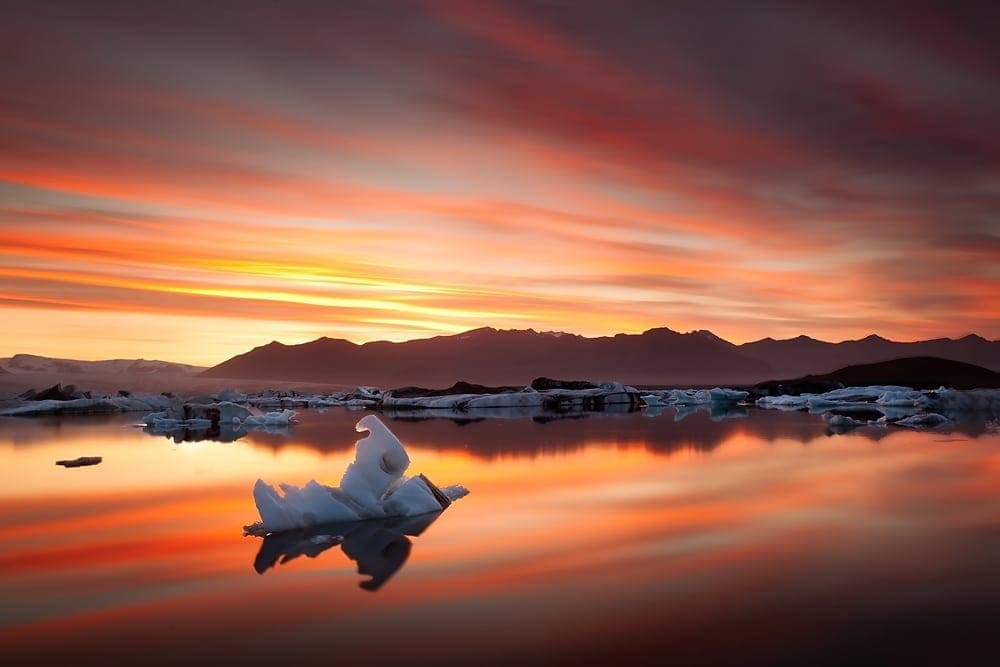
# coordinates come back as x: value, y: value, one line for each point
x: 716, y: 411
x: 217, y: 432
x: 780, y: 545
x: 663, y: 430
x: 378, y: 546
x: 698, y: 429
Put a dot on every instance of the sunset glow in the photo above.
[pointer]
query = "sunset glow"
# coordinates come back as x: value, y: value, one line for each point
x: 185, y: 182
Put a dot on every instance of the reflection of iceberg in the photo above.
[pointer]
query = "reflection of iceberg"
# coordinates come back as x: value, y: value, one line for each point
x: 378, y: 546
x: 373, y: 486
x: 716, y: 411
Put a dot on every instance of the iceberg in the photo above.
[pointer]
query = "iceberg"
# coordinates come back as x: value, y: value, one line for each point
x: 84, y: 406
x: 841, y: 423
x: 651, y: 400
x: 224, y: 421
x: 848, y: 407
x: 276, y: 418
x: 925, y: 420
x: 373, y: 486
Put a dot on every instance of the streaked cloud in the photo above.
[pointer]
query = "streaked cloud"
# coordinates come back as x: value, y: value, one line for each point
x: 390, y: 170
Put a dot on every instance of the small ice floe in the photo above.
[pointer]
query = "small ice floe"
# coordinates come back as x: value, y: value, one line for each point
x: 978, y: 402
x: 785, y: 402
x: 690, y: 397
x: 651, y: 400
x: 716, y: 395
x: 892, y: 404
x: 841, y: 423
x: 543, y: 395
x: 84, y: 405
x: 80, y: 461
x: 925, y: 420
x: 720, y: 395
x: 224, y: 420
x: 373, y: 486
x: 276, y: 418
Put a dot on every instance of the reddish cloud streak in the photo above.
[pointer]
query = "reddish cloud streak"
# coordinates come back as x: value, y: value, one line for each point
x: 390, y: 171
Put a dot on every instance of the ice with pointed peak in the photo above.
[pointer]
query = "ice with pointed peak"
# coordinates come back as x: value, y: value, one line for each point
x: 373, y: 486
x: 720, y: 395
x: 651, y: 400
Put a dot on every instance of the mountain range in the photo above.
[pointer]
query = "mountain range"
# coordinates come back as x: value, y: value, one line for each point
x: 658, y: 356
x: 32, y: 363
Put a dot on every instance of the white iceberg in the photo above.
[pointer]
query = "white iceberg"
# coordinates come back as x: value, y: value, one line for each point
x: 373, y: 486
x: 841, y: 422
x: 785, y: 402
x: 81, y: 406
x: 276, y: 418
x: 901, y: 399
x: 720, y: 395
x: 691, y: 396
x: 651, y: 400
x: 924, y: 420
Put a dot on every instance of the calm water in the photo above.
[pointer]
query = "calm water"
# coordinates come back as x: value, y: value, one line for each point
x: 742, y: 541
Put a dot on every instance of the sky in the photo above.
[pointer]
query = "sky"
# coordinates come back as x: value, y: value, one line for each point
x: 187, y: 180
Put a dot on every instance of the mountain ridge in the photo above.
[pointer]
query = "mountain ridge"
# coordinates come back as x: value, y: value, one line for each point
x: 658, y: 355
x: 24, y: 364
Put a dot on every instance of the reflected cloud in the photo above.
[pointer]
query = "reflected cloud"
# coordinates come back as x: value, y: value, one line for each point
x: 380, y: 547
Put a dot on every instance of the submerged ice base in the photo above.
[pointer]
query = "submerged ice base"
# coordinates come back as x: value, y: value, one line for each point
x: 373, y: 486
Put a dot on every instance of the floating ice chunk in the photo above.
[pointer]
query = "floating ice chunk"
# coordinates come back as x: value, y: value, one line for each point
x: 841, y: 422
x: 691, y: 396
x: 512, y: 400
x: 900, y: 399
x: 979, y: 402
x: 784, y: 402
x: 311, y: 505
x: 277, y: 418
x: 232, y: 396
x: 728, y: 395
x: 925, y: 420
x: 412, y: 497
x: 379, y: 461
x: 225, y: 417
x: 374, y: 485
x: 871, y: 393
x: 652, y: 400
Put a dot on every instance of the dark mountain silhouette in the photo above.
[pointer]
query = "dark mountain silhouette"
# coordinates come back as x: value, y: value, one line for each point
x: 803, y: 355
x: 512, y: 357
x: 492, y: 357
x: 916, y: 372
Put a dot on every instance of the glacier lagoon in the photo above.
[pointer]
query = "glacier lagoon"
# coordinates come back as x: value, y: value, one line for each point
x: 754, y: 537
